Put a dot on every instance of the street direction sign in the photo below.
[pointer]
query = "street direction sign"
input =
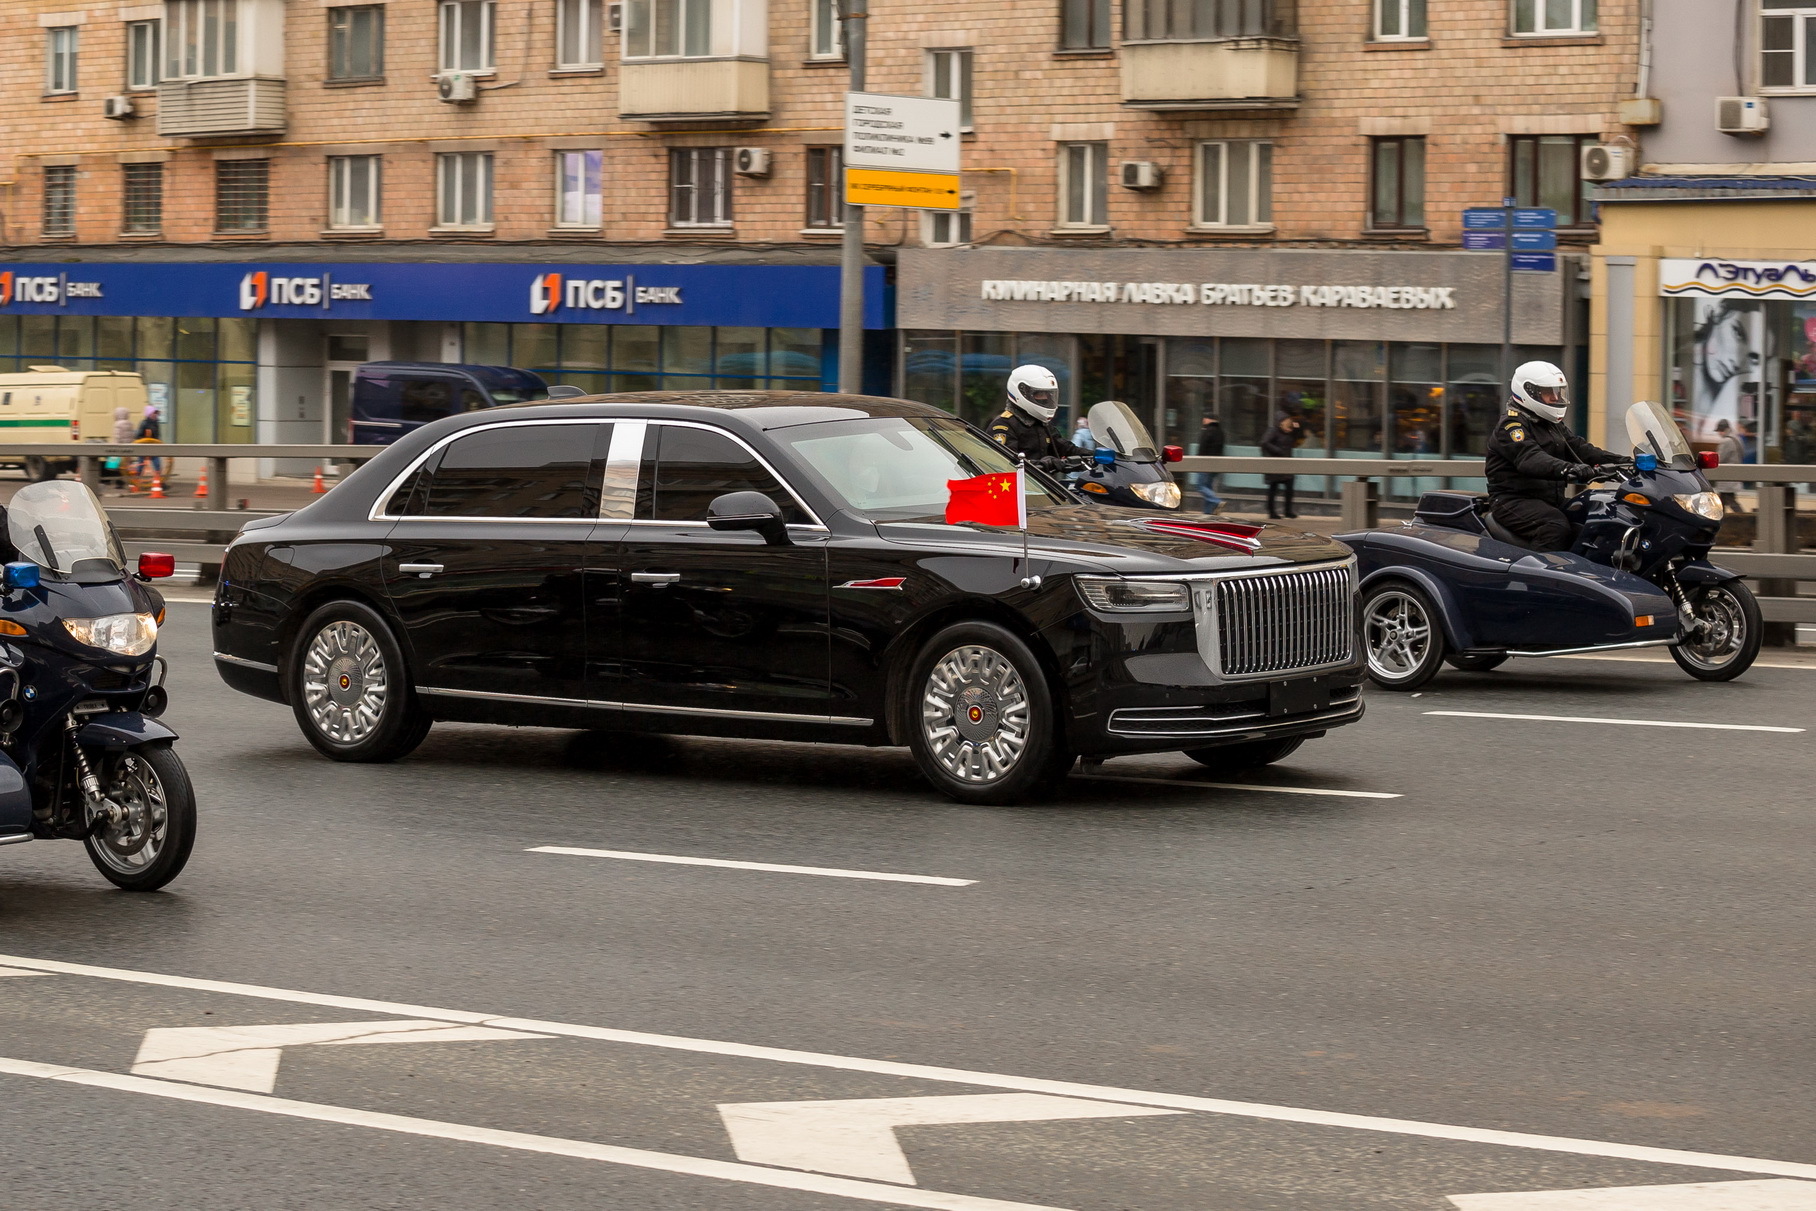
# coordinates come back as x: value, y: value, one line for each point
x: 1533, y: 262
x: 1485, y: 218
x: 1530, y: 218
x: 1491, y: 240
x: 1534, y: 241
x: 920, y: 190
x: 912, y: 134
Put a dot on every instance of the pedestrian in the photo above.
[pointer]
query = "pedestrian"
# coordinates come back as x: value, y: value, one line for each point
x: 1210, y: 444
x: 113, y: 470
x: 1730, y: 452
x: 151, y: 429
x: 1082, y: 437
x: 1287, y: 433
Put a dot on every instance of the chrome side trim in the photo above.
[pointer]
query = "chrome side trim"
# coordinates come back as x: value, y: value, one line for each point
x: 1606, y: 647
x: 260, y: 665
x: 1348, y: 710
x: 652, y: 708
x: 16, y: 839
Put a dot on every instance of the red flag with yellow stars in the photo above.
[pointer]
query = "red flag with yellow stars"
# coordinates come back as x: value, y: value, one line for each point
x: 991, y: 500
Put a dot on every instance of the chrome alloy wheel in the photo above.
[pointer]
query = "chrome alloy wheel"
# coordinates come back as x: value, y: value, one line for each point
x: 974, y: 714
x: 345, y: 684
x: 1397, y: 632
x: 133, y: 842
x: 1720, y: 631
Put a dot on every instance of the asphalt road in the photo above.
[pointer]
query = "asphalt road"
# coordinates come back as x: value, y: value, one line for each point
x: 1595, y: 935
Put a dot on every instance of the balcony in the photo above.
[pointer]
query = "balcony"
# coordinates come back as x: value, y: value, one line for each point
x: 209, y: 108
x: 1210, y: 54
x: 694, y: 90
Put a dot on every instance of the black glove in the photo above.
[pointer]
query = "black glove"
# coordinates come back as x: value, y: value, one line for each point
x: 1049, y: 462
x: 1580, y: 473
x: 1615, y: 470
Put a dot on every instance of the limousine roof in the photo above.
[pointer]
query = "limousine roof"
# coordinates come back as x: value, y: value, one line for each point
x: 759, y: 409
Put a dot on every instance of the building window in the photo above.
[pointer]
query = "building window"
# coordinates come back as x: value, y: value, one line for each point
x: 667, y: 29
x: 464, y: 189
x: 699, y: 187
x: 1399, y: 20
x: 1787, y: 28
x: 949, y: 77
x: 143, y: 190
x: 578, y: 185
x: 577, y: 41
x: 1084, y: 25
x: 356, y: 42
x: 59, y: 200
x: 1546, y: 171
x: 60, y: 59
x: 1398, y: 194
x: 142, y: 53
x: 1166, y: 21
x: 828, y: 31
x: 1553, y: 17
x: 1081, y: 184
x: 1235, y: 184
x: 353, y: 192
x: 466, y: 35
x: 242, y: 189
x: 945, y: 228
x: 825, y: 203
x: 201, y: 38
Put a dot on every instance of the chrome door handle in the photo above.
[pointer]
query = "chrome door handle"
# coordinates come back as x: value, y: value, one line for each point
x: 424, y: 569
x: 656, y: 578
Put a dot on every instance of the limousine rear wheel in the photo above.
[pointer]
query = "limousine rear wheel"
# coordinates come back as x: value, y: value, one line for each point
x: 985, y: 726
x: 349, y: 687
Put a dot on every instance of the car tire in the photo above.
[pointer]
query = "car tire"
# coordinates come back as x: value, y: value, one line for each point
x: 984, y: 724
x: 350, y: 688
x: 1479, y: 662
x: 1402, y: 635
x: 1234, y: 758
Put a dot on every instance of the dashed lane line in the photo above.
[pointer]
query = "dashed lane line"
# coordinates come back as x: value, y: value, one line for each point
x: 959, y: 1076
x: 1718, y: 727
x: 1240, y: 786
x: 778, y: 868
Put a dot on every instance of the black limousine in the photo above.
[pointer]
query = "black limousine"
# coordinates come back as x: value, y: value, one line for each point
x: 778, y: 565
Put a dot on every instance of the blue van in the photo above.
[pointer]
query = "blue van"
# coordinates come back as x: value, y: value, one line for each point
x: 392, y: 398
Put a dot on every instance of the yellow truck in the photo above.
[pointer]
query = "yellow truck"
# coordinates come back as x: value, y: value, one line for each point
x: 53, y: 407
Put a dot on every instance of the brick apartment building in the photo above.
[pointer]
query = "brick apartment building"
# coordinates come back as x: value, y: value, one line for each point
x: 243, y: 199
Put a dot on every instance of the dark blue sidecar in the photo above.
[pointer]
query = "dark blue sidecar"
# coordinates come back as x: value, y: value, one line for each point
x: 1446, y: 578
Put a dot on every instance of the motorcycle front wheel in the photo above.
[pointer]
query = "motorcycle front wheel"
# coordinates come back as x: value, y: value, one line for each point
x: 148, y: 848
x: 1728, y: 641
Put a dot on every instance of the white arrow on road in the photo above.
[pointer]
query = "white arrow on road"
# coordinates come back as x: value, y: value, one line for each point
x: 246, y: 1057
x: 1772, y: 1195
x: 856, y: 1138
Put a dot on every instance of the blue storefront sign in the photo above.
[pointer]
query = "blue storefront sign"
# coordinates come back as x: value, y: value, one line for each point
x: 758, y: 296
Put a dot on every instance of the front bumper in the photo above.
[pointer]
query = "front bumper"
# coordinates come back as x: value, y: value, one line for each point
x: 1177, y: 718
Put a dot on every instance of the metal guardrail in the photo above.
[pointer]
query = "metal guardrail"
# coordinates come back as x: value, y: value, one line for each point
x: 89, y: 456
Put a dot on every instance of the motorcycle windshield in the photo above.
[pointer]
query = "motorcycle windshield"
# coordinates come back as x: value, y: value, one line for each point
x: 1114, y: 425
x: 1652, y: 431
x: 59, y: 525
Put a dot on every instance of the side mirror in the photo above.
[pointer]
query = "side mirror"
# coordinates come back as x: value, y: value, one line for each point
x: 21, y: 576
x: 565, y: 391
x: 749, y: 511
x: 154, y: 565
x: 1172, y: 454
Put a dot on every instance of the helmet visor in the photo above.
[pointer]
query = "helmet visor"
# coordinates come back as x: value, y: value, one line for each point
x: 1555, y: 397
x: 1039, y: 398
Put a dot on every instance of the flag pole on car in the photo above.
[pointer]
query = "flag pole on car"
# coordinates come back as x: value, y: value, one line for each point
x: 996, y: 499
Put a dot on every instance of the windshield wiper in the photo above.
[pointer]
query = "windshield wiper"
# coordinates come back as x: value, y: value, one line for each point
x: 50, y: 552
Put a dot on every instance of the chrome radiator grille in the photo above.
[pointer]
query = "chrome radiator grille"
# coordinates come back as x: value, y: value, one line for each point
x: 1280, y: 623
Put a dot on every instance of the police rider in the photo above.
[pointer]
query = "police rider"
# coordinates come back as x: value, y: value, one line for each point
x: 1532, y: 455
x: 1022, y: 428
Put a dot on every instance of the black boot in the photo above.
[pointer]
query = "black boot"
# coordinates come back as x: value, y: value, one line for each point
x: 1289, y: 501
x: 1273, y: 491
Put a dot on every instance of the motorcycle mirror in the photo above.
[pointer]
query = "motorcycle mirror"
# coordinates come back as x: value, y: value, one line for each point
x: 154, y: 565
x: 21, y: 576
x: 1708, y: 460
x: 1172, y: 454
x: 1645, y: 462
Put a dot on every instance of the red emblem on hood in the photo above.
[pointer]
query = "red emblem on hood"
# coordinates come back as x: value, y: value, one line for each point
x: 1237, y: 536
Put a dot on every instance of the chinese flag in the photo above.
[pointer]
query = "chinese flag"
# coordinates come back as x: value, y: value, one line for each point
x: 991, y: 500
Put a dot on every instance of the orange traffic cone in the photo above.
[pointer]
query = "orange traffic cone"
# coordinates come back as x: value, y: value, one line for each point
x: 318, y: 487
x: 157, y: 488
x: 201, y: 482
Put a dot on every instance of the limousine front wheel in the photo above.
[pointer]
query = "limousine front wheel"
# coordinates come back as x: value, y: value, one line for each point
x: 986, y: 729
x: 349, y: 689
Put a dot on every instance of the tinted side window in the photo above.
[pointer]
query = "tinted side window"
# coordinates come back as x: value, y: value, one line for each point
x: 411, y: 495
x: 690, y: 467
x: 518, y: 471
x: 421, y: 400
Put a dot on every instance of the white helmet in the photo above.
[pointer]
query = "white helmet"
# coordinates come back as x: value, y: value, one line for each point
x: 1035, y: 391
x: 1541, y: 389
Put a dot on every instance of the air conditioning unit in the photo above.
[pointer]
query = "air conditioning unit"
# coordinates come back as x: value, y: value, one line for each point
x: 1741, y: 116
x: 614, y: 17
x: 1141, y: 174
x: 751, y: 161
x: 1607, y: 162
x: 457, y: 86
x: 116, y: 107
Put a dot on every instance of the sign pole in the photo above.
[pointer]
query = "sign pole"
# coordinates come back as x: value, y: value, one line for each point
x: 855, y: 16
x: 1507, y: 295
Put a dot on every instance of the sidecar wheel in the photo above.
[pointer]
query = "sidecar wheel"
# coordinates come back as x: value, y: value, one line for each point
x: 1402, y: 635
x: 1729, y: 642
x: 147, y: 849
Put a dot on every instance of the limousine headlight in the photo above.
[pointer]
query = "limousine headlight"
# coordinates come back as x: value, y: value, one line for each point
x: 1163, y: 492
x: 1116, y: 596
x: 121, y: 634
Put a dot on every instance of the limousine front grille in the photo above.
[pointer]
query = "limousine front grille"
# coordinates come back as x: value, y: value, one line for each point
x: 1285, y: 622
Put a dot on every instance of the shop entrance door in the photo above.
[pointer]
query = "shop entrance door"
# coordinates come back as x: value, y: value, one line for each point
x: 345, y: 354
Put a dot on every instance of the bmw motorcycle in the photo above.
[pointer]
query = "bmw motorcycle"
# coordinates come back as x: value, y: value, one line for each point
x: 1127, y: 468
x: 82, y: 754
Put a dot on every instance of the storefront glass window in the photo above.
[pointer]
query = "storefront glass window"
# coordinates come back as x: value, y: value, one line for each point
x: 1358, y: 371
x: 486, y: 344
x: 113, y: 342
x: 984, y: 376
x: 794, y: 354
x: 1300, y: 388
x: 1797, y: 438
x: 930, y: 367
x: 534, y: 346
x: 9, y: 341
x: 585, y: 347
x: 738, y: 358
x: 637, y: 348
x: 1242, y: 395
x: 1416, y: 395
x: 76, y: 342
x: 1055, y: 353
x: 1191, y: 391
x: 38, y: 338
x: 1473, y: 399
x: 687, y: 351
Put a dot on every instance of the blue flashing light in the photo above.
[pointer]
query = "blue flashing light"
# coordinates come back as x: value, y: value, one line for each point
x: 1646, y: 462
x: 1104, y: 457
x: 21, y: 576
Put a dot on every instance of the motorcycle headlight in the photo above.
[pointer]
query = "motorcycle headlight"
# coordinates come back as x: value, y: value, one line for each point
x: 1133, y: 596
x: 1164, y: 493
x: 1703, y: 504
x: 122, y: 634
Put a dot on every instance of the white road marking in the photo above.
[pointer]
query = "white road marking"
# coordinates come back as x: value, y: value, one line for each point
x: 856, y: 1137
x: 610, y: 1154
x: 1718, y: 727
x: 957, y: 1076
x: 1702, y: 1196
x: 246, y: 1057
x: 6, y: 972
x: 673, y: 859
x: 1637, y: 658
x: 1241, y: 786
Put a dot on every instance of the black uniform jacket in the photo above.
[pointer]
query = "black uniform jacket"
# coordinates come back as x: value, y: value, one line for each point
x: 1030, y: 438
x: 1529, y: 455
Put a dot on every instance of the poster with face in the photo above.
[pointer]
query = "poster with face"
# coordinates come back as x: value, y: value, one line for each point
x: 1727, y: 357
